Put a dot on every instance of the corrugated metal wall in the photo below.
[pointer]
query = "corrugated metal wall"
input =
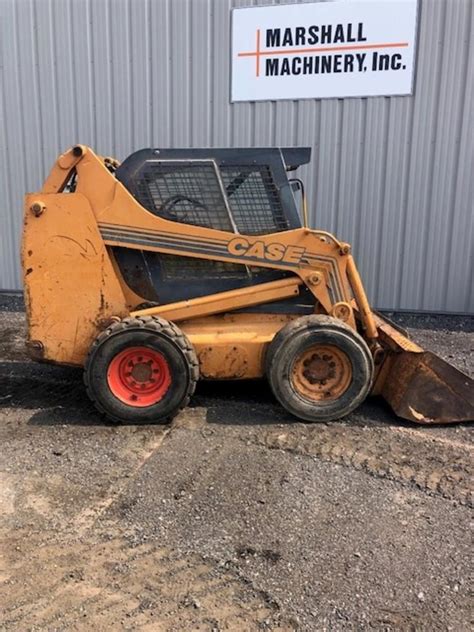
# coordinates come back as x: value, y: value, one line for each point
x: 393, y: 176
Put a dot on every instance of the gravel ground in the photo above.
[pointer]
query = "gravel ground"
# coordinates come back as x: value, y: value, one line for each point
x: 235, y: 517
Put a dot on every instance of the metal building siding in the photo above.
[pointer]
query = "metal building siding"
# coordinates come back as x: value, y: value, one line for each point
x: 393, y: 176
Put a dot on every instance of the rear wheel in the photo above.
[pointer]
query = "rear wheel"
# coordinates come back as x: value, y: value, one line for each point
x: 319, y: 369
x: 141, y: 370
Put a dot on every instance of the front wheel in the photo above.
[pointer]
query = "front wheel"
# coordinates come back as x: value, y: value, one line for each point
x: 319, y: 369
x: 141, y: 370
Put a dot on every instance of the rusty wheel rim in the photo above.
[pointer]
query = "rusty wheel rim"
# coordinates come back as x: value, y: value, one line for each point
x: 322, y: 373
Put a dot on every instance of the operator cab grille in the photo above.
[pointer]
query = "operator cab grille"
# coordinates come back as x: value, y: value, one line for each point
x: 240, y: 190
x: 184, y: 192
x: 254, y: 199
x: 192, y: 193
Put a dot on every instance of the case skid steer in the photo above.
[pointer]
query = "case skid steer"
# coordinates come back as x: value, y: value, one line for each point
x: 187, y: 264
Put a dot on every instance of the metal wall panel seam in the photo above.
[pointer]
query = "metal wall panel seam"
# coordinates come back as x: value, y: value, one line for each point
x: 131, y: 81
x: 393, y: 203
x: 7, y: 240
x: 90, y: 66
x: 420, y: 177
x: 439, y: 177
x: 7, y: 237
x: 110, y: 74
x: 149, y: 74
x: 465, y: 112
x: 54, y: 71
x: 16, y: 126
x: 400, y: 251
x: 379, y: 254
x: 37, y: 84
x: 72, y: 69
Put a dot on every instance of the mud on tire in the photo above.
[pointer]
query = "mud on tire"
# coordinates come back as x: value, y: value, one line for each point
x: 141, y: 370
x: 319, y: 368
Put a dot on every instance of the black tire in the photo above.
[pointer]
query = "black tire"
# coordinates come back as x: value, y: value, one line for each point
x: 162, y: 339
x: 296, y: 339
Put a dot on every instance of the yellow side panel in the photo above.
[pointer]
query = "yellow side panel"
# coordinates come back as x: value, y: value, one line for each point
x: 70, y: 286
x: 232, y: 346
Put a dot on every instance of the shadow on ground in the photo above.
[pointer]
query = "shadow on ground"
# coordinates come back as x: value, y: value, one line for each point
x: 60, y: 396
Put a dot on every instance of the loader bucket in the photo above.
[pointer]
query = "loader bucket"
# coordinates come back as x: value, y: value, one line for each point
x: 419, y: 385
x: 424, y: 388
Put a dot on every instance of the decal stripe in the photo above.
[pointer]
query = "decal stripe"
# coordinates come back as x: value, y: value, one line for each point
x: 170, y: 245
x: 150, y: 232
x: 174, y: 241
x: 178, y: 244
x: 131, y: 239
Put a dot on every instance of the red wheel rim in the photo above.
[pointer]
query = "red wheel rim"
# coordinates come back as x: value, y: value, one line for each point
x: 139, y: 376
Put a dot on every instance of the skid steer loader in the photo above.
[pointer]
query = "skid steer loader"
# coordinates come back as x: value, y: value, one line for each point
x: 179, y: 264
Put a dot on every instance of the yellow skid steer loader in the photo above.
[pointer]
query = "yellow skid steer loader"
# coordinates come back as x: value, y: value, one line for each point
x: 181, y: 264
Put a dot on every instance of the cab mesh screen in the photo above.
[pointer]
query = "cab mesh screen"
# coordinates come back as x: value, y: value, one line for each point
x: 189, y: 192
x: 254, y: 199
x: 185, y: 192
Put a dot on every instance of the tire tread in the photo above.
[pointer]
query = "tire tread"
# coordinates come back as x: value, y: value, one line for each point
x: 158, y: 325
x: 295, y: 327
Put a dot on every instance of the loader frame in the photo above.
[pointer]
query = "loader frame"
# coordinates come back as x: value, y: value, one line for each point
x: 111, y: 216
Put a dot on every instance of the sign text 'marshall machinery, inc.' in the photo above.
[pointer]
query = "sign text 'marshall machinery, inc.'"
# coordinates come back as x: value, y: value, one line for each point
x: 321, y: 50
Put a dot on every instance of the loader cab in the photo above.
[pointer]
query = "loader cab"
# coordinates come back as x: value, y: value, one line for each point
x: 242, y: 191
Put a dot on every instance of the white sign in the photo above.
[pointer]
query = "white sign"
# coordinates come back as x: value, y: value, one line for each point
x: 347, y: 48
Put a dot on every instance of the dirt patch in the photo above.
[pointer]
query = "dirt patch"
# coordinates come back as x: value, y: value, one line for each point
x: 112, y: 584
